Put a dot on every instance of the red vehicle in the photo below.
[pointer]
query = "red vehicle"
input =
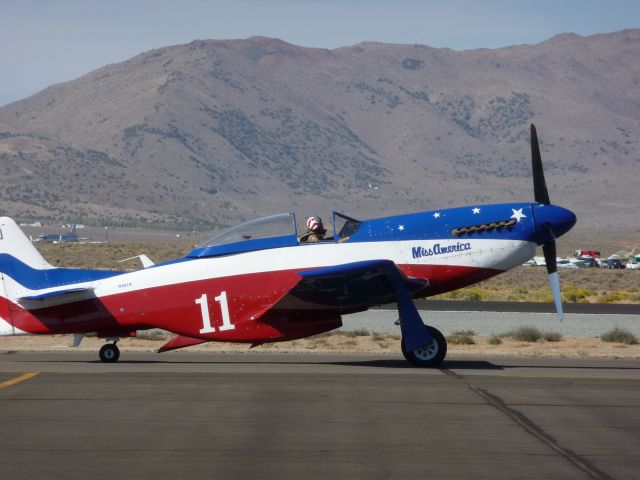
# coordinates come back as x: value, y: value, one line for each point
x: 586, y: 253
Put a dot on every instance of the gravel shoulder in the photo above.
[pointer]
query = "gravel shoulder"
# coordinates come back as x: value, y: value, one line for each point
x: 346, y: 342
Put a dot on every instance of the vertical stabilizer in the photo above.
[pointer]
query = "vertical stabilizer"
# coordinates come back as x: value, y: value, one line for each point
x: 21, y: 265
x: 14, y: 245
x: 19, y: 260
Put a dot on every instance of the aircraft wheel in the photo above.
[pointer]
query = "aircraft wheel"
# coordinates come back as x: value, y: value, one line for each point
x: 429, y: 355
x: 109, y: 353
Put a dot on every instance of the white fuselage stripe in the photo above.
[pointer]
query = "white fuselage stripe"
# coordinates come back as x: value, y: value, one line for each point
x: 494, y: 254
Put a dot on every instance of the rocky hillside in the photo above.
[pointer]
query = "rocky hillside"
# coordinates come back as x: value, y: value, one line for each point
x: 214, y: 132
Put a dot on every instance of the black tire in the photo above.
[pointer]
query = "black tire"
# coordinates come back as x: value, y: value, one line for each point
x: 109, y: 353
x: 430, y: 355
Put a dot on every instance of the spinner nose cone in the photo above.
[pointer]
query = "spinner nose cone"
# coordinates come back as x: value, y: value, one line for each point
x: 552, y: 222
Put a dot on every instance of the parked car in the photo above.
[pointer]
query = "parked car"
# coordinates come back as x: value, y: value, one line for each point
x: 589, y: 261
x: 615, y: 263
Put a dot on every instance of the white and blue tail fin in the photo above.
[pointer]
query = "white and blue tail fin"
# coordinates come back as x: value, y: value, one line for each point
x: 20, y: 262
x: 14, y: 243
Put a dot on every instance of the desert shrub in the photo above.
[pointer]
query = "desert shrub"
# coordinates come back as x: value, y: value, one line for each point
x: 613, y: 297
x: 327, y: 334
x: 462, y: 337
x: 574, y: 294
x: 495, y: 340
x: 551, y: 336
x: 362, y: 332
x: 153, y: 335
x: 525, y: 334
x: 620, y: 335
x: 377, y: 337
x: 471, y: 294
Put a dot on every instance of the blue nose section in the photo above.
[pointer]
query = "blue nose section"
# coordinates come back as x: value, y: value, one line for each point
x: 552, y: 222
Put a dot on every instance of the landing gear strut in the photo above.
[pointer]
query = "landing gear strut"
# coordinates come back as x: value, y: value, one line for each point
x: 430, y: 354
x: 109, y: 352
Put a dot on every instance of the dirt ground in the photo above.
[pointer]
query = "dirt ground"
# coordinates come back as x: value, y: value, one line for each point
x: 347, y: 342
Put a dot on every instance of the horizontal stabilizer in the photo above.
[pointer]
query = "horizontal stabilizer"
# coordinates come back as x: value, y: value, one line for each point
x: 56, y: 294
x: 146, y: 261
x: 180, y: 342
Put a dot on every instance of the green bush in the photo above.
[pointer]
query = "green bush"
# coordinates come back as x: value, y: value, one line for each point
x: 620, y: 335
x: 573, y: 294
x: 495, y: 340
x: 613, y: 297
x: 153, y: 335
x: 525, y: 334
x: 462, y: 337
x: 363, y: 332
x: 552, y: 336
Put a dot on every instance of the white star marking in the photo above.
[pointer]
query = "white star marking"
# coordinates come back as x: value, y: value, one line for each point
x: 518, y: 215
x: 436, y: 215
x: 476, y: 211
x: 401, y: 227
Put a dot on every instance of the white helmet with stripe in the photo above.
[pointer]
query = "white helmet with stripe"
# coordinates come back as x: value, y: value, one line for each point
x: 314, y: 223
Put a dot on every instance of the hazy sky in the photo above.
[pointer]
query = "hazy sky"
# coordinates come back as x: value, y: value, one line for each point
x: 43, y: 42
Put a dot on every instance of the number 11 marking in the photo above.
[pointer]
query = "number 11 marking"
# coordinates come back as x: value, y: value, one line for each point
x: 206, y: 318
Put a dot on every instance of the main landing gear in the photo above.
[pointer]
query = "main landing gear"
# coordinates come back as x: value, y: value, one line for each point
x: 430, y: 354
x: 422, y: 346
x: 110, y: 352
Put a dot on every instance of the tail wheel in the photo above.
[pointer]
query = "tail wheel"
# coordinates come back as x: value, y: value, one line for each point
x: 429, y: 355
x: 109, y: 353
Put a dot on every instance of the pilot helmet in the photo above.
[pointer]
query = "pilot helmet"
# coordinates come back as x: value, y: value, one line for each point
x: 314, y: 224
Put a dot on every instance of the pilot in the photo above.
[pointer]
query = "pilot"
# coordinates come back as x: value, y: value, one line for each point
x: 315, y: 230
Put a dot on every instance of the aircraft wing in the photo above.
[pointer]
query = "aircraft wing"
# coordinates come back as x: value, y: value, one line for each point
x: 348, y: 287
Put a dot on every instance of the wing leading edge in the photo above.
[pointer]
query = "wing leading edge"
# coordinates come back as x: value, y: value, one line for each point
x: 348, y: 287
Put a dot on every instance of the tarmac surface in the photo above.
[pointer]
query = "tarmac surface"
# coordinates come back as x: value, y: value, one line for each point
x: 317, y: 416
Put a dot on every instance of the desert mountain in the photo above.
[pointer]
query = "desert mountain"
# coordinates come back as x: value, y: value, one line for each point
x: 218, y: 131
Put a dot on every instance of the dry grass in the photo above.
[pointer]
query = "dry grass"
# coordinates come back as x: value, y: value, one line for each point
x: 620, y: 335
x: 461, y: 337
x: 340, y: 342
x: 531, y: 284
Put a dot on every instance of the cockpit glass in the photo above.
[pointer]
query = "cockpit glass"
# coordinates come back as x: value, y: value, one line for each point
x: 344, y: 226
x: 281, y: 224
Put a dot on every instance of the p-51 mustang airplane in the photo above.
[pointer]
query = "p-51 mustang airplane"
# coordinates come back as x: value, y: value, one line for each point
x: 257, y: 283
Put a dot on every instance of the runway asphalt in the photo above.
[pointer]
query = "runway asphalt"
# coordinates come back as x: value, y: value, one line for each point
x: 316, y: 416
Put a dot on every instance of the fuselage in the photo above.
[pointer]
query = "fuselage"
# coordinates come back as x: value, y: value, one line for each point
x: 230, y: 291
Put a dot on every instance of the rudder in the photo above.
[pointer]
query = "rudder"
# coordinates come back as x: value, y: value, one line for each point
x: 14, y: 243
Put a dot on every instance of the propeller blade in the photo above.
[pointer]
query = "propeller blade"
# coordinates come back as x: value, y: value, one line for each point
x: 541, y: 195
x: 549, y: 250
x: 540, y: 191
x: 554, y: 281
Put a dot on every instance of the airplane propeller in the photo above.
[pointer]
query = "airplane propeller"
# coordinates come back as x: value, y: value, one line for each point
x: 541, y: 195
